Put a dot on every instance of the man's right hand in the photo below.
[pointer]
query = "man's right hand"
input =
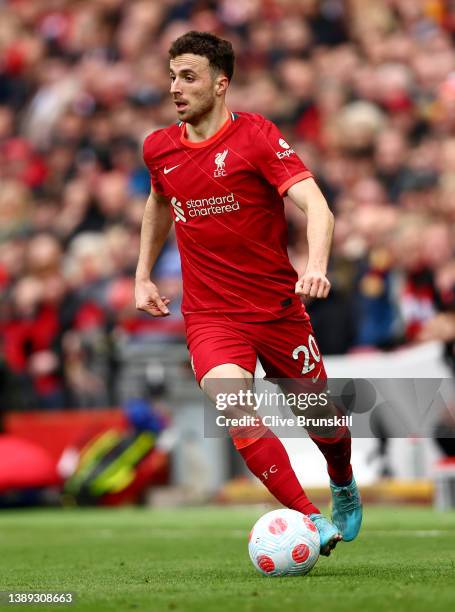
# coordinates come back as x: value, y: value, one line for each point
x: 149, y: 300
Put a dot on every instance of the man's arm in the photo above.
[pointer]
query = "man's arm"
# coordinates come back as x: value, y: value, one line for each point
x: 320, y: 222
x: 156, y: 223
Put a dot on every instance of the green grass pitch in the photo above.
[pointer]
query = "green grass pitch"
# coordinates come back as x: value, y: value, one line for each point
x: 196, y: 560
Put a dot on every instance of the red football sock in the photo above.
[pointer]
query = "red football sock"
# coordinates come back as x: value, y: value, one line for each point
x: 267, y: 459
x: 337, y: 453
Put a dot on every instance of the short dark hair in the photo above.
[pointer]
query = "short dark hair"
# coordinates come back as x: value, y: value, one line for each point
x: 219, y: 52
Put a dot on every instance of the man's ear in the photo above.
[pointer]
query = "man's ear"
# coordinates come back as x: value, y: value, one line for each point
x: 222, y: 83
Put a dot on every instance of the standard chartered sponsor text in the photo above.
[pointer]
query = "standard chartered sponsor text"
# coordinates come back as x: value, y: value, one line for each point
x: 214, y: 205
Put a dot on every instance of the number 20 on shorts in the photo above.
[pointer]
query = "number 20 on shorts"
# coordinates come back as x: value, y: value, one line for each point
x: 311, y: 349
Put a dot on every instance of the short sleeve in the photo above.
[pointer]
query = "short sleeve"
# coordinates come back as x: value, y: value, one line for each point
x: 149, y: 154
x: 276, y: 159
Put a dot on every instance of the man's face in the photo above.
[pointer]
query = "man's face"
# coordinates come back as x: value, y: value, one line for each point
x: 193, y: 86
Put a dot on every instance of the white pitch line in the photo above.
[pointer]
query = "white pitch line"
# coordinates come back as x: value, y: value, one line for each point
x: 420, y: 533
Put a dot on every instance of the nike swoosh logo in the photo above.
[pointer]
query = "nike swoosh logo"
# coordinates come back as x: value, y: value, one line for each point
x: 167, y: 170
x: 315, y: 378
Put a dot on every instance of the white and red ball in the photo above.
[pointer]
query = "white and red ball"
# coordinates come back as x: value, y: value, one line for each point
x: 284, y: 543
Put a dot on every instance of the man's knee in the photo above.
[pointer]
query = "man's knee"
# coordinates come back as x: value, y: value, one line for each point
x: 230, y: 386
x: 226, y: 371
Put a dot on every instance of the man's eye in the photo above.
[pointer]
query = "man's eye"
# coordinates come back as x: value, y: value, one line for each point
x: 190, y: 79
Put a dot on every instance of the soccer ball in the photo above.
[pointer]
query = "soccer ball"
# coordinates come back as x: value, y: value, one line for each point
x: 284, y: 543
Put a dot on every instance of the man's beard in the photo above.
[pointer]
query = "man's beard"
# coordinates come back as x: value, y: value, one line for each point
x: 205, y: 107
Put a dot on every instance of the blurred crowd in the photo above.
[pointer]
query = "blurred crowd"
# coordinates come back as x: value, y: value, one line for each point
x: 365, y: 91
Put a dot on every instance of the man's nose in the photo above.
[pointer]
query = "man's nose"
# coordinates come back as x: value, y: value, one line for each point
x: 175, y: 86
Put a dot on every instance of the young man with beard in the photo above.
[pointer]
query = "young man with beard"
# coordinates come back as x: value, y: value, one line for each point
x: 221, y: 177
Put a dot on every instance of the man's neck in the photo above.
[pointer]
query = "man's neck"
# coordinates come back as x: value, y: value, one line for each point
x: 208, y: 126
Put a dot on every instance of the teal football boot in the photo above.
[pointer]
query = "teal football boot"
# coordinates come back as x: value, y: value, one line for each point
x: 329, y: 534
x: 346, y: 509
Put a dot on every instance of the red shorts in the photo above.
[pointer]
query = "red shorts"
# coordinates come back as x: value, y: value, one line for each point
x: 285, y: 347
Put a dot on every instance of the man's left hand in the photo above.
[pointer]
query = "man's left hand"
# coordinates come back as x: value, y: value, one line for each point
x: 313, y: 284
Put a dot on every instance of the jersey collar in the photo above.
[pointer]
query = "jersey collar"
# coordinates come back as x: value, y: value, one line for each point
x: 205, y: 143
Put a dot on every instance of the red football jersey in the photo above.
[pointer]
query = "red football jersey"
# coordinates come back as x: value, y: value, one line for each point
x: 226, y: 195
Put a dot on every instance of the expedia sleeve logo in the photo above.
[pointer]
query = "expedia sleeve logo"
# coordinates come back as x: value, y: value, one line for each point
x: 287, y: 149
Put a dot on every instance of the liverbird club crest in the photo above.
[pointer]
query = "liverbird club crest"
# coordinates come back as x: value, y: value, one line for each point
x: 220, y: 164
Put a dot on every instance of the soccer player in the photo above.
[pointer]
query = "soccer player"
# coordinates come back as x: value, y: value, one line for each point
x: 221, y: 177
